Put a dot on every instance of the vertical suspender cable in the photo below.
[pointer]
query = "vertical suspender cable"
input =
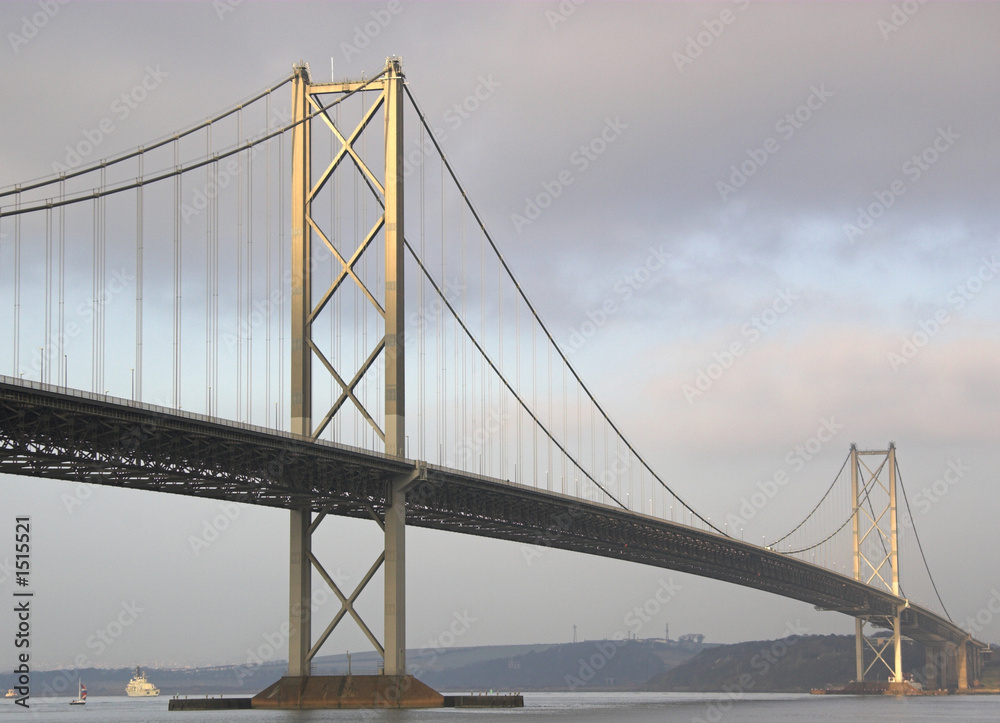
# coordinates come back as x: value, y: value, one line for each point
x: 338, y: 300
x: 565, y: 426
x: 359, y: 433
x: 17, y: 287
x: 442, y: 384
x: 534, y: 405
x: 482, y: 377
x: 209, y: 270
x: 138, y: 281
x: 503, y: 396
x: 267, y: 265
x: 517, y: 373
x: 93, y: 299
x: 214, y: 215
x: 579, y: 431
x: 102, y: 309
x: 422, y: 338
x: 46, y: 349
x: 281, y: 275
x: 239, y: 269
x: 177, y: 279
x: 335, y: 239
x: 549, y: 469
x: 249, y: 320
x: 462, y: 427
x: 61, y: 349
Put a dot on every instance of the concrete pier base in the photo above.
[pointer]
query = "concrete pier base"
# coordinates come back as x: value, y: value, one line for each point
x: 348, y: 691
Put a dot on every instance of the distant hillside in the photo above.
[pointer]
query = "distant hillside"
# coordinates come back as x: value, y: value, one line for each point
x: 591, y: 664
x: 791, y: 665
x: 794, y: 664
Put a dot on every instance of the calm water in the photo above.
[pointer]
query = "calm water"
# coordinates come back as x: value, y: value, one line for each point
x: 586, y: 707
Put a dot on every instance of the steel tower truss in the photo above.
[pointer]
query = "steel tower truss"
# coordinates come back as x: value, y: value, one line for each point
x: 310, y: 103
x: 876, y: 554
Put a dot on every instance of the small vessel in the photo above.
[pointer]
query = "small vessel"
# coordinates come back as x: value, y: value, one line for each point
x: 81, y: 695
x: 140, y: 687
x: 10, y: 693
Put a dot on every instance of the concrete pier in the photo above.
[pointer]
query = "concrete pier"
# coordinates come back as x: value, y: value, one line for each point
x: 348, y: 691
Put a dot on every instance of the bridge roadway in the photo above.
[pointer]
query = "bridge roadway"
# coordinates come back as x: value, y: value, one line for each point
x: 52, y: 432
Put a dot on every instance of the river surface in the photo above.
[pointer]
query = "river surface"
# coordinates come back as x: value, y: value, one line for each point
x: 585, y: 707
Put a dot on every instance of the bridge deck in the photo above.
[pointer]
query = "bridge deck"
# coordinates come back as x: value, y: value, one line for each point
x: 49, y: 432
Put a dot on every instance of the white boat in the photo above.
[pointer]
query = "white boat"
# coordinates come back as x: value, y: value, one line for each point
x: 81, y: 695
x: 140, y: 687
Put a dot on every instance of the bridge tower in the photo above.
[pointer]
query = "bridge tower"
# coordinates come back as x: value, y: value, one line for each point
x: 310, y: 104
x: 876, y: 552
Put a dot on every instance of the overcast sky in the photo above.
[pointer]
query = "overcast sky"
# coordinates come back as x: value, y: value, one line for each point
x: 834, y: 162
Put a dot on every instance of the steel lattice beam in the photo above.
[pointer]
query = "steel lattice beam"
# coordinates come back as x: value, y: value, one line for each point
x: 47, y: 434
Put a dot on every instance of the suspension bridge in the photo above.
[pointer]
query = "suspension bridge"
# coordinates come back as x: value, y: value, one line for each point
x: 270, y: 242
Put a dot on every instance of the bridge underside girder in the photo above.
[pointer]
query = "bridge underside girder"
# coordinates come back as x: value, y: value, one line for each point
x: 86, y: 438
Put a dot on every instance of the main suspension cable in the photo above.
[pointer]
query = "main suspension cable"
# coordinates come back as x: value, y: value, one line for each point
x: 541, y: 324
x: 178, y: 170
x: 165, y: 140
x: 919, y: 546
x: 503, y: 379
x: 825, y: 494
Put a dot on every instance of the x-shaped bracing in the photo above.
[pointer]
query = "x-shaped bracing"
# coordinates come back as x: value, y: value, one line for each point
x: 879, y: 650
x: 347, y: 265
x: 347, y: 602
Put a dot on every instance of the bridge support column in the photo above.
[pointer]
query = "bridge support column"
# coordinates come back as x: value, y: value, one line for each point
x: 963, y: 665
x: 299, y: 565
x: 395, y: 378
x: 859, y: 649
x: 299, y: 594
x: 897, y: 645
x: 395, y: 580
